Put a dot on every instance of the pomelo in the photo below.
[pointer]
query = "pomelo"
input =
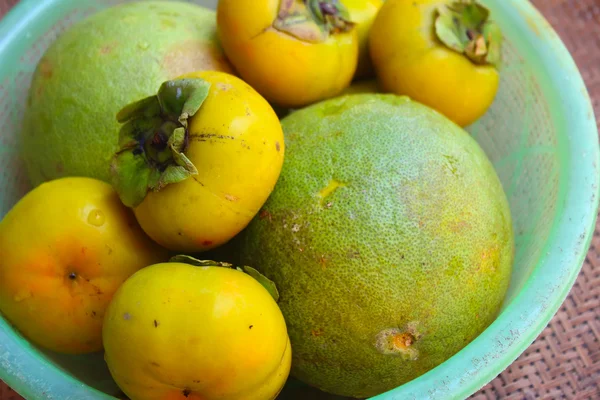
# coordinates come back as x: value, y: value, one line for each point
x: 389, y: 237
x: 98, y: 66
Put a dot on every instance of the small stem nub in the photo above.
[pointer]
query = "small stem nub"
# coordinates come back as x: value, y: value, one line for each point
x: 465, y: 26
x: 153, y: 140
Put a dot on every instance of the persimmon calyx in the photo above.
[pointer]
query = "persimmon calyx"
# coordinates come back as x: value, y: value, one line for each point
x: 153, y: 140
x: 312, y: 20
x: 465, y: 26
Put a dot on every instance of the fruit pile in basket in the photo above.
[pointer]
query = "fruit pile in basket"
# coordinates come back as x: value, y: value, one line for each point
x: 220, y: 199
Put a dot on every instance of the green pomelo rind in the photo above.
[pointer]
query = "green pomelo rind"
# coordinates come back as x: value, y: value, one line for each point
x: 416, y: 238
x: 98, y: 66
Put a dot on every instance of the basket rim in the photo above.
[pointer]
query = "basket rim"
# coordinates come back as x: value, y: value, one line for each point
x: 518, y: 325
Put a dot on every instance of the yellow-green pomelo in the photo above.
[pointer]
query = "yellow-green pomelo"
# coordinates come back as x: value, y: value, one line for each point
x: 98, y: 66
x: 389, y: 238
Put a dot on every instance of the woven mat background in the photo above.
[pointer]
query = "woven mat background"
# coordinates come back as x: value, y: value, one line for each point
x: 564, y: 362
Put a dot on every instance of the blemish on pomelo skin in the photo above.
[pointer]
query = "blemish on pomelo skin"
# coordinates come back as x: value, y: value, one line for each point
x: 323, y: 261
x: 451, y: 164
x: 328, y: 190
x: 394, y: 100
x: 106, y: 49
x: 277, y: 146
x: 353, y: 253
x: 207, y: 243
x: 264, y: 214
x: 394, y: 341
x: 126, y: 316
x: 458, y: 226
x: 490, y: 259
x: 335, y: 108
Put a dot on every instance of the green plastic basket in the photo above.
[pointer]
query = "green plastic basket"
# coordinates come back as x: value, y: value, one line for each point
x: 540, y: 134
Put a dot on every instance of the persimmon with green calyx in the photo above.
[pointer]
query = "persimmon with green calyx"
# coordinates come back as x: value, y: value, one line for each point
x: 198, y: 160
x: 65, y: 248
x: 197, y: 330
x: 294, y: 52
x: 442, y: 53
x: 363, y: 13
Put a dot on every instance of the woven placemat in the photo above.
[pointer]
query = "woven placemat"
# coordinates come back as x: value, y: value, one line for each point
x: 564, y: 362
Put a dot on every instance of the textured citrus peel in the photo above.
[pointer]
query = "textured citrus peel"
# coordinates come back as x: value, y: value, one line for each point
x: 465, y: 26
x: 268, y: 284
x: 153, y: 140
x: 312, y: 20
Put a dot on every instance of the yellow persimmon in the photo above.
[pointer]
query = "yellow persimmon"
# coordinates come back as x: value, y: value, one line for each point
x: 65, y: 249
x: 204, y: 332
x: 442, y: 53
x: 198, y: 161
x: 294, y: 52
